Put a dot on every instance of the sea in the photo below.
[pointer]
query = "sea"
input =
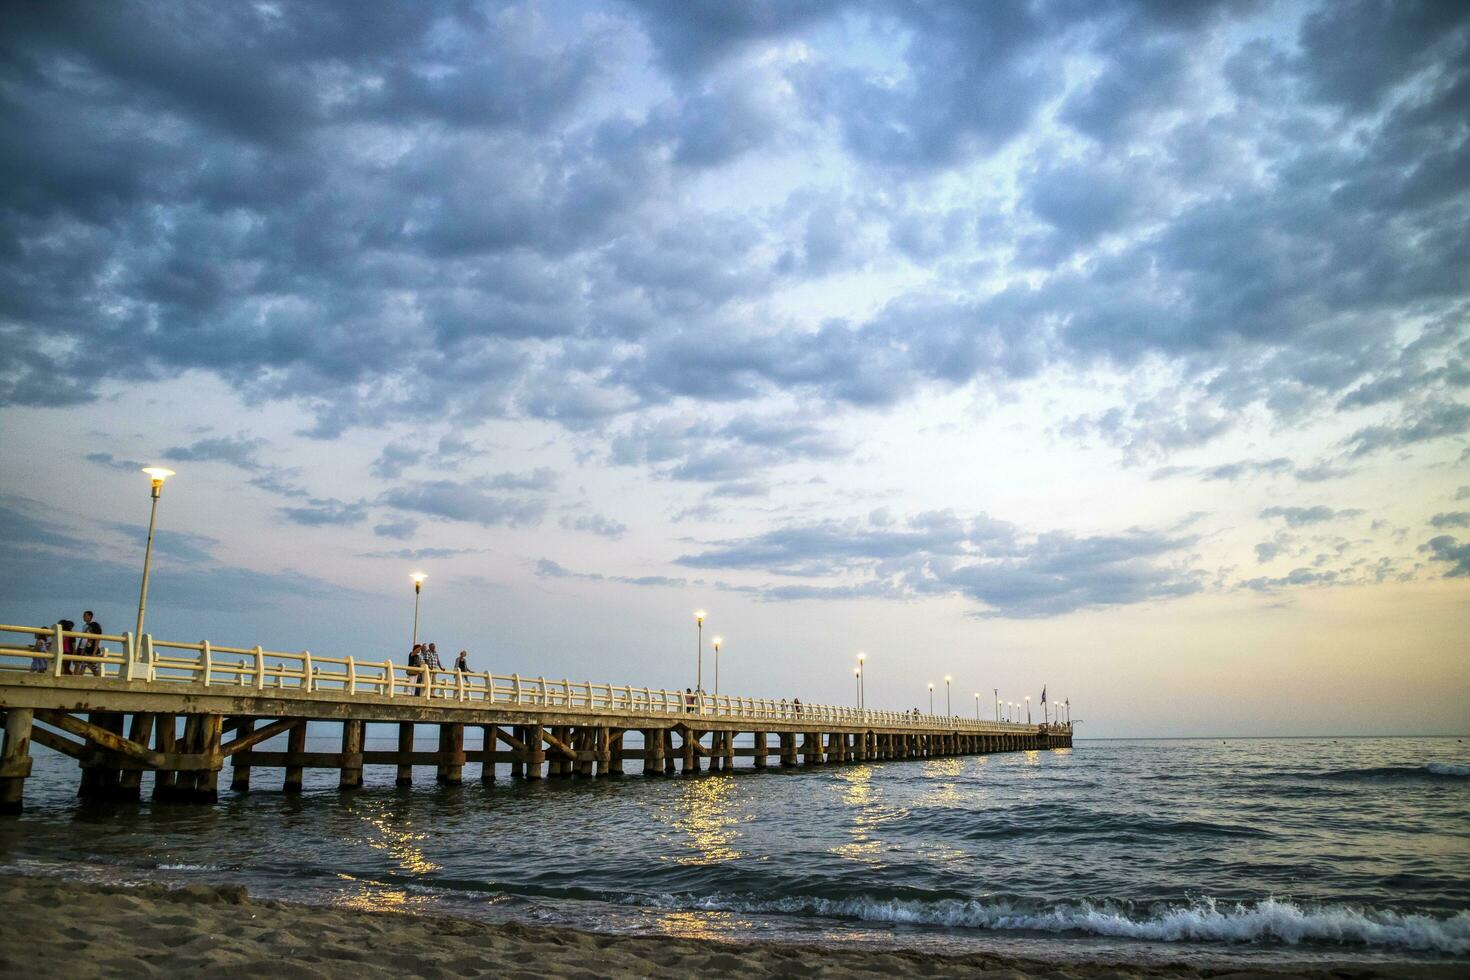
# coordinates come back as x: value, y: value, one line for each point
x: 1211, y: 851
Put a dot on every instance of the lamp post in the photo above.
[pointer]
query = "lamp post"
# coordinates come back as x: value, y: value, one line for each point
x: 996, y: 692
x: 948, y: 707
x: 857, y: 683
x: 156, y: 474
x: 1028, y: 709
x: 699, y: 653
x: 863, y: 680
x: 717, y: 641
x: 931, y: 698
x: 977, y: 705
x: 418, y: 587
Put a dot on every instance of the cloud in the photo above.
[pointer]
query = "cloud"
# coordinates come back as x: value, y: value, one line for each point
x: 595, y: 524
x: 546, y: 568
x: 420, y: 554
x: 1445, y: 548
x: 1007, y: 571
x: 1458, y: 518
x: 1303, y: 516
x: 543, y: 478
x: 323, y: 512
x: 113, y: 463
x: 239, y: 451
x: 1433, y: 420
x: 449, y: 500
x: 398, y: 529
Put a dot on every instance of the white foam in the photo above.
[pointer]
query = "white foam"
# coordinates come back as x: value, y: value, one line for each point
x: 1448, y: 769
x: 1204, y: 920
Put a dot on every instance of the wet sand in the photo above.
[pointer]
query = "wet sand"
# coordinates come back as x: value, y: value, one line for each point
x: 55, y: 928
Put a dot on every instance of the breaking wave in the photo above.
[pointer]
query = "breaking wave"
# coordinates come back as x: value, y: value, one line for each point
x: 1204, y: 920
x: 1433, y: 771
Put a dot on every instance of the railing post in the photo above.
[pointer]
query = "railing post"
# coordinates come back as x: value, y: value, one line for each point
x: 259, y: 667
x: 56, y: 651
x: 545, y: 697
x: 130, y: 654
x: 389, y: 681
x: 351, y: 675
x: 206, y: 660
x: 459, y: 684
x: 515, y: 683
x: 150, y: 656
x: 306, y: 670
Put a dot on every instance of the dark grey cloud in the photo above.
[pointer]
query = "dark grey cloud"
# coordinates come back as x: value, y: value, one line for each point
x: 1007, y: 571
x: 1444, y: 548
x: 114, y: 463
x: 445, y: 215
x: 398, y: 529
x: 239, y: 450
x: 322, y: 512
x: 543, y: 478
x: 1296, y: 578
x: 595, y: 524
x: 1456, y: 518
x: 455, y: 501
x: 1303, y: 516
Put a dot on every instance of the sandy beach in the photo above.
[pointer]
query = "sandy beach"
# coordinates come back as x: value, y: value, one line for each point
x: 55, y: 928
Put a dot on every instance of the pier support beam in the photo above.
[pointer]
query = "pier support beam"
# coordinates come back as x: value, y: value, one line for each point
x: 240, y: 771
x: 451, y: 754
x: 15, y: 760
x: 352, y: 738
x: 206, y: 780
x: 130, y: 782
x: 295, y: 747
x: 405, y: 753
x: 670, y: 761
x: 760, y: 749
x: 165, y: 736
x: 518, y: 762
x: 536, y: 751
x: 491, y: 738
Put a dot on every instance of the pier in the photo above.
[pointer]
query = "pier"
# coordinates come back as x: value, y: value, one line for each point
x: 181, y: 711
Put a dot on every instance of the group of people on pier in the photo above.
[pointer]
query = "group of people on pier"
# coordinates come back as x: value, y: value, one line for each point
x: 425, y: 657
x: 71, y: 646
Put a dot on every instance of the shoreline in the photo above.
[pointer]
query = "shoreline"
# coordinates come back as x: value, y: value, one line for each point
x: 55, y: 927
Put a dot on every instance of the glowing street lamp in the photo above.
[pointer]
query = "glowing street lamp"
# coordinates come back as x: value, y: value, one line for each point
x: 948, y: 709
x: 156, y: 474
x: 931, y: 698
x: 699, y: 652
x: 418, y: 586
x: 717, y: 641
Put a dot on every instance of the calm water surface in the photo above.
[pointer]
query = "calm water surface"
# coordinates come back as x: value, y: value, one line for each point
x: 1355, y: 849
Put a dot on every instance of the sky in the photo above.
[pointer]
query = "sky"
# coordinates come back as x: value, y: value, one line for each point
x: 1121, y: 348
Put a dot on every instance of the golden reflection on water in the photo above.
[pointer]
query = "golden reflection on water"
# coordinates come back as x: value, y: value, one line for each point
x: 868, y: 813
x: 701, y: 924
x: 702, y: 814
x: 366, y: 895
x: 397, y: 836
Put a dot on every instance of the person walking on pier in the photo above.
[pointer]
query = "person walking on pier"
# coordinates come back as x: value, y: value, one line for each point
x: 462, y: 662
x: 431, y: 664
x: 688, y: 701
x: 69, y: 648
x: 416, y: 666
x: 90, y: 648
x: 43, y: 647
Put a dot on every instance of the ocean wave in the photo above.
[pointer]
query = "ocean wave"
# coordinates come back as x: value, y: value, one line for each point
x: 1430, y: 771
x: 1204, y: 920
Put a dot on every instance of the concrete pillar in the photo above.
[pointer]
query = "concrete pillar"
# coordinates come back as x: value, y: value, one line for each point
x: 670, y: 761
x: 165, y: 736
x: 451, y: 754
x: 535, y: 751
x: 240, y: 772
x: 587, y: 740
x: 15, y: 760
x: 295, y: 746
x: 760, y: 749
x: 517, y: 762
x: 130, y: 781
x: 690, y: 762
x: 405, y: 752
x: 206, y: 781
x: 352, y: 739
x: 489, y: 743
x: 613, y: 752
x: 653, y: 752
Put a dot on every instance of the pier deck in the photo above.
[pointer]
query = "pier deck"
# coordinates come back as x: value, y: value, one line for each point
x: 182, y: 710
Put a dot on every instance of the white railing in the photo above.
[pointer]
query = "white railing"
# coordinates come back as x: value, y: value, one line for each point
x: 162, y: 663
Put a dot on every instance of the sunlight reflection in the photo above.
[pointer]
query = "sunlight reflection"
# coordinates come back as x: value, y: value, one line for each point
x: 702, y: 813
x: 687, y: 924
x: 366, y: 895
x: 396, y: 836
x: 862, y: 797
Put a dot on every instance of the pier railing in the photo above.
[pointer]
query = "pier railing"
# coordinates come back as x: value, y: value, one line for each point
x: 161, y: 664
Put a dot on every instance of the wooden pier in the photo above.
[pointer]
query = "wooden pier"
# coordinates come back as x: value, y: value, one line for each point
x: 182, y: 710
